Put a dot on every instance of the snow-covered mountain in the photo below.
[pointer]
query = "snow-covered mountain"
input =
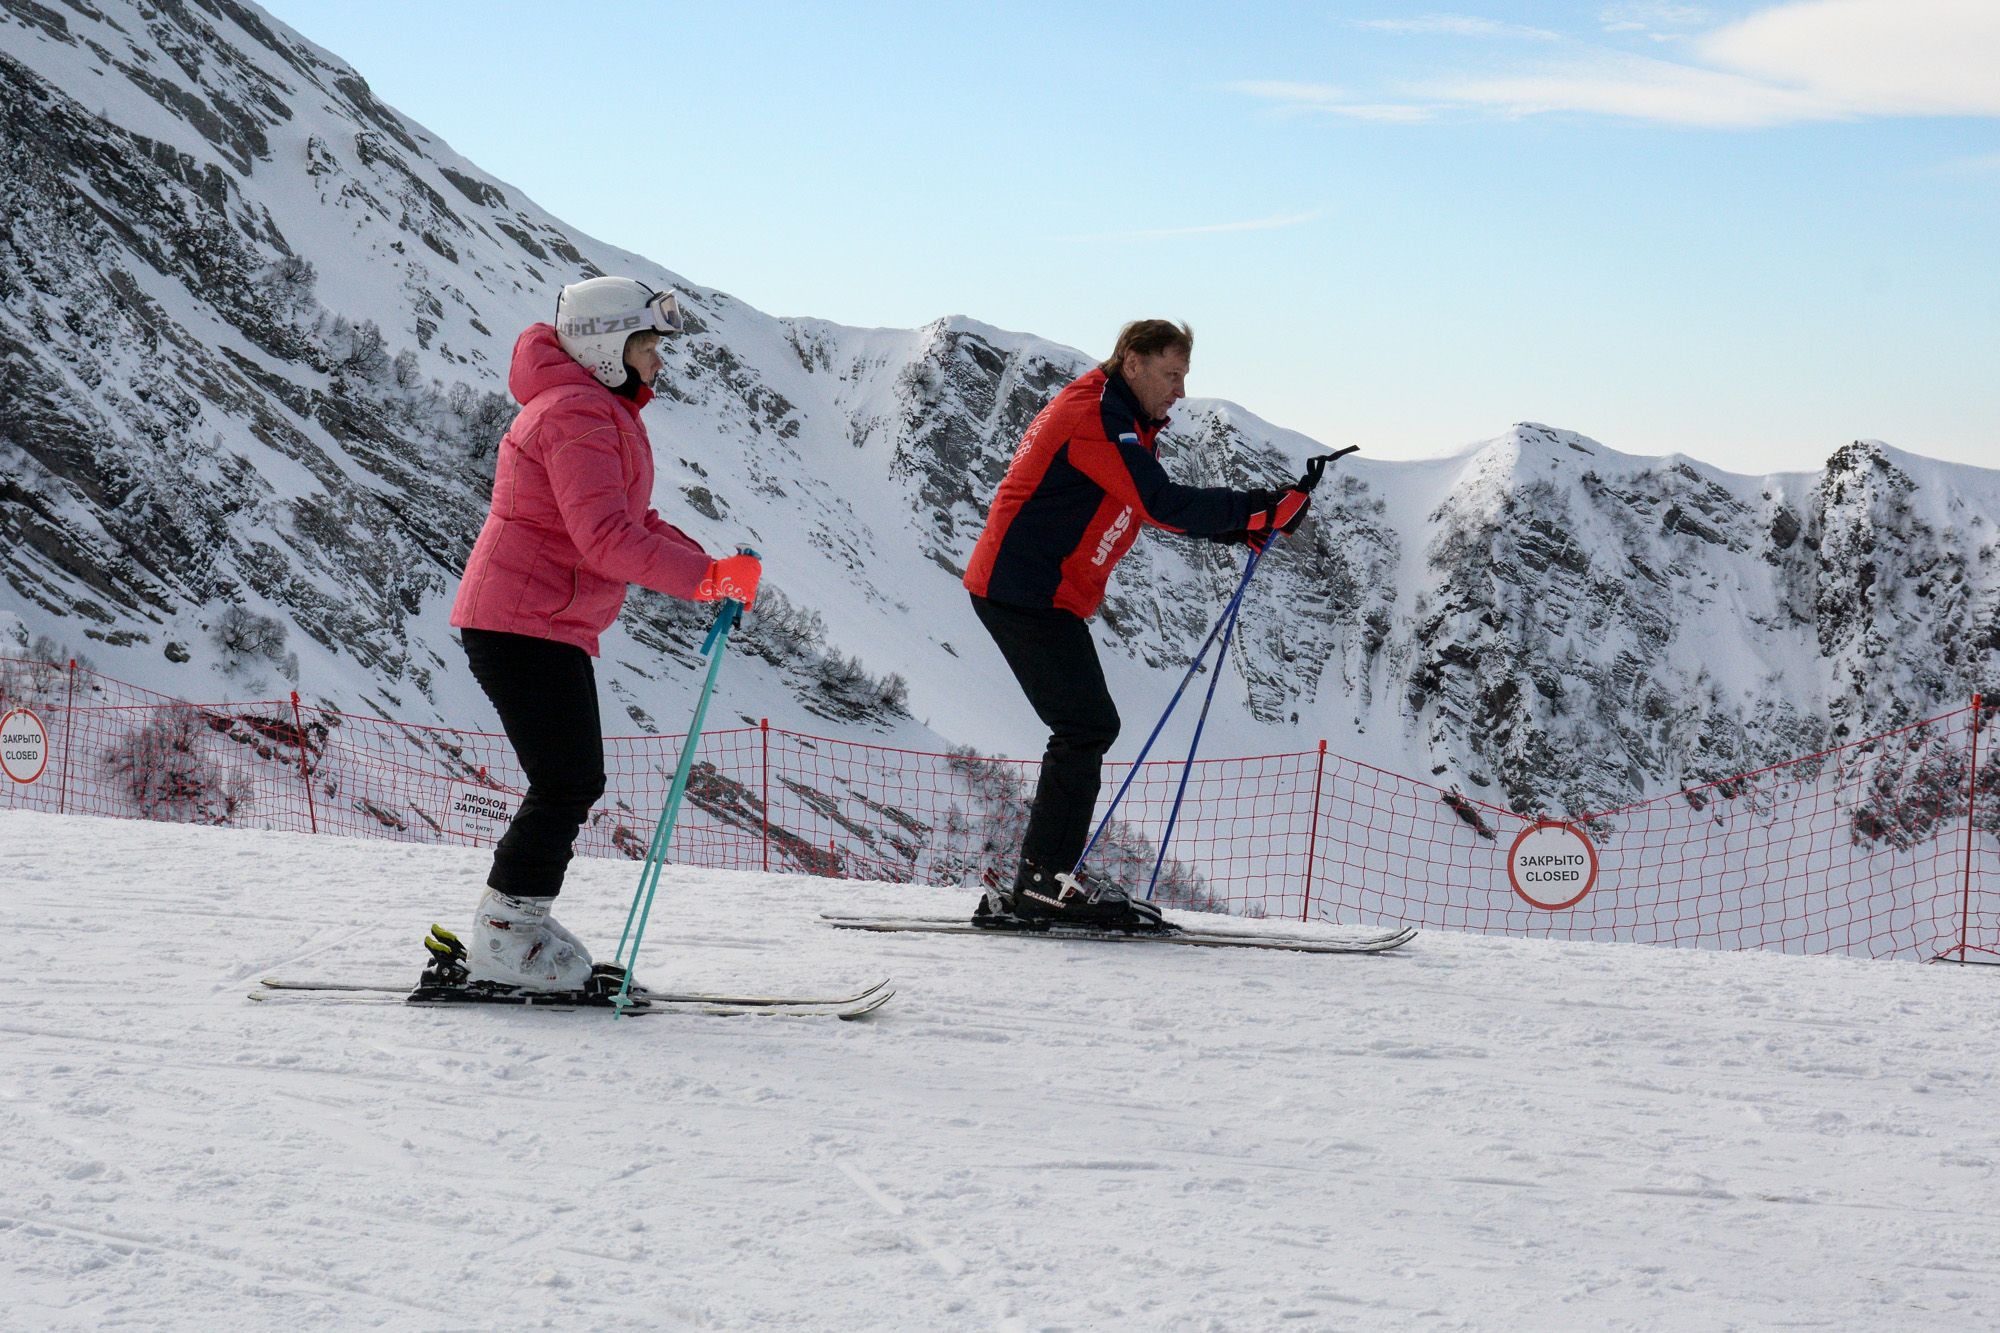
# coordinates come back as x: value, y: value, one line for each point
x: 253, y: 334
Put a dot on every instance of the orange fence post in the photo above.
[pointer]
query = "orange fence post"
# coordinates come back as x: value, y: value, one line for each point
x: 1312, y: 834
x: 764, y: 725
x: 69, y: 725
x: 305, y: 774
x: 1971, y: 805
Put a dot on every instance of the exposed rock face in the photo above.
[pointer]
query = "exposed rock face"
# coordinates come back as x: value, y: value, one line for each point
x: 1636, y: 624
x: 254, y: 328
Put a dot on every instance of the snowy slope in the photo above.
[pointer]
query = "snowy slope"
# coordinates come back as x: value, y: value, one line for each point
x: 1479, y: 1133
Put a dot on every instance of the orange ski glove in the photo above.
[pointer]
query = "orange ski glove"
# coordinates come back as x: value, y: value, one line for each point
x: 733, y: 578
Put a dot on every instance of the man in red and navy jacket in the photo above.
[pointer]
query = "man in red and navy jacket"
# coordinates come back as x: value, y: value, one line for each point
x: 1083, y: 481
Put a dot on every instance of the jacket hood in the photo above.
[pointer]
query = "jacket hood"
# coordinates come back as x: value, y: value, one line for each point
x: 540, y: 364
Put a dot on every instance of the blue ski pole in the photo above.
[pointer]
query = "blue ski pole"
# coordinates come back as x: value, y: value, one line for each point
x: 663, y: 832
x: 1225, y: 625
x: 1315, y: 469
x: 1201, y: 720
x: 1228, y: 616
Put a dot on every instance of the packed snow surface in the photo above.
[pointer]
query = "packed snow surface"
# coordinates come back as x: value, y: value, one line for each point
x: 1474, y: 1133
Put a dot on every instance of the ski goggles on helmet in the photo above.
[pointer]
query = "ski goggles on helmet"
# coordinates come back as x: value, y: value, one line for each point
x: 660, y: 314
x: 663, y: 313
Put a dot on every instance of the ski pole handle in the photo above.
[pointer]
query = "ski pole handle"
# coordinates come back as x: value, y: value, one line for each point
x: 1316, y: 467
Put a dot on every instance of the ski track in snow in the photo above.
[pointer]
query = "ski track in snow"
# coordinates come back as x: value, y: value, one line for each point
x: 1476, y: 1133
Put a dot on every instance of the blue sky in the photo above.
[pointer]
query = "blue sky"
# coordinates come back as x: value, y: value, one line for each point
x: 1744, y: 232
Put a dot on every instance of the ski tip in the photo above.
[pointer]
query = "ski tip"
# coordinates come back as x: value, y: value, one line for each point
x: 875, y: 1001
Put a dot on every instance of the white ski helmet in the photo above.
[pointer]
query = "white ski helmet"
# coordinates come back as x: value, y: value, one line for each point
x: 596, y: 316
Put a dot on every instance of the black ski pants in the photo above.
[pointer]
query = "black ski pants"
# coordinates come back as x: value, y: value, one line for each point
x: 1054, y: 658
x: 546, y: 695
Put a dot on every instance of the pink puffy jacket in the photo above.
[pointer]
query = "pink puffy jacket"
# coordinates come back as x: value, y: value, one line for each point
x: 570, y: 525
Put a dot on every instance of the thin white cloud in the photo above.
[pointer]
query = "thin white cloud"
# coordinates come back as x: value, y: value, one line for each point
x: 1640, y: 88
x: 1297, y: 94
x: 1388, y: 113
x: 1323, y: 99
x: 1455, y: 25
x: 1972, y: 166
x: 1658, y: 19
x: 1276, y: 222
x: 1801, y: 61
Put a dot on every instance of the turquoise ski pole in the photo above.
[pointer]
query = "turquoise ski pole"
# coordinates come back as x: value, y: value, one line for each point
x: 663, y: 832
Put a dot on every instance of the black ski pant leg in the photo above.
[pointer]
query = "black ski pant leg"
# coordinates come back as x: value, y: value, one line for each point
x: 1052, y: 655
x: 546, y: 695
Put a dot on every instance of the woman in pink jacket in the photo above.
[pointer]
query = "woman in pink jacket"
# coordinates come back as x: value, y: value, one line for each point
x: 571, y: 525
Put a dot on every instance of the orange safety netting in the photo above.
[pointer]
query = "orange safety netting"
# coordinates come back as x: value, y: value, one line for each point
x: 1883, y: 848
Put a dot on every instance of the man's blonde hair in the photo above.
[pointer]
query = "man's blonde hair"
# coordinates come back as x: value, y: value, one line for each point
x: 1150, y: 337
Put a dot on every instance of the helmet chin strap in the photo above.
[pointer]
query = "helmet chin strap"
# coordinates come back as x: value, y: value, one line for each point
x: 630, y: 388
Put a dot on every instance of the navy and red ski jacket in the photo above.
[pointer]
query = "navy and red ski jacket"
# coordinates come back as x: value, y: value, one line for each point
x: 1083, y: 480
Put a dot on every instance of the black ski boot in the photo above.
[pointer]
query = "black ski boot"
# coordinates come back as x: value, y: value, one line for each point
x: 1040, y: 900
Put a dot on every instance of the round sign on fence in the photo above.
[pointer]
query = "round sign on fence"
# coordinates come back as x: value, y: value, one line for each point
x: 1552, y: 865
x: 24, y: 745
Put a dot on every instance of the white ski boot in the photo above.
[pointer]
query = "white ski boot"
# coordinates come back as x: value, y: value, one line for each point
x: 515, y: 942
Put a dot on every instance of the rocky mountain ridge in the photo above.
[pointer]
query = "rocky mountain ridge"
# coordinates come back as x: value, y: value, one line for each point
x: 253, y: 333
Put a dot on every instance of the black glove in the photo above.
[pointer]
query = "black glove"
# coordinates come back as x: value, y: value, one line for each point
x: 1283, y: 514
x: 1281, y: 511
x: 1259, y: 502
x: 1270, y: 512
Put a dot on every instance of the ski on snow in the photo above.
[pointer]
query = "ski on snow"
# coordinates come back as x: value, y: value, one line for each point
x: 446, y: 982
x: 645, y: 999
x: 639, y: 992
x: 283, y: 989
x: 1372, y: 941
